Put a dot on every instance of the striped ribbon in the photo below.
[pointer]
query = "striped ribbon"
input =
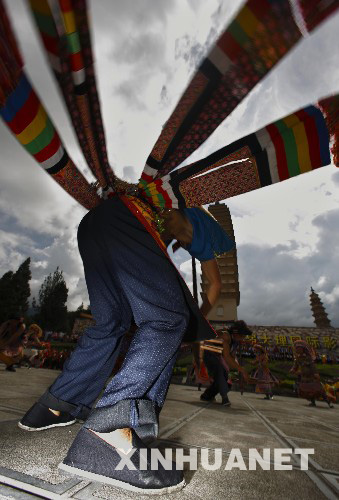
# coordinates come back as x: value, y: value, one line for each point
x: 64, y: 31
x: 293, y: 145
x: 26, y: 117
x: 260, y: 35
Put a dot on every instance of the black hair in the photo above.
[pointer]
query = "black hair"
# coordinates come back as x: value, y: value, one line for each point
x: 239, y: 327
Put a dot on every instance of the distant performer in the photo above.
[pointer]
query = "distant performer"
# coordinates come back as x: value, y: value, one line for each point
x: 263, y: 376
x: 11, y: 342
x: 219, y: 365
x: 309, y: 386
x: 32, y: 343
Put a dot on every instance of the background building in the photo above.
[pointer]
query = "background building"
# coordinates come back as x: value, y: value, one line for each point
x: 226, y: 307
x: 318, y: 311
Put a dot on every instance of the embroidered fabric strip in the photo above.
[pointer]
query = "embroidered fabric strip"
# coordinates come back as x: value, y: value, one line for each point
x: 26, y: 117
x: 330, y: 108
x: 293, y: 145
x: 65, y: 35
x: 146, y: 216
x: 260, y: 35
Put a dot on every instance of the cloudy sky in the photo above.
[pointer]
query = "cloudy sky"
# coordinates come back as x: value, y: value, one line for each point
x: 146, y: 52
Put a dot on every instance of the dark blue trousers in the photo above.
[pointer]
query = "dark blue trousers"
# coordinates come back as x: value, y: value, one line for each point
x: 217, y: 371
x: 128, y: 277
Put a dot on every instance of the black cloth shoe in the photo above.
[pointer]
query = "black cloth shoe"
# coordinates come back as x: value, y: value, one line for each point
x: 10, y: 368
x: 209, y: 399
x: 39, y: 418
x: 225, y: 401
x: 92, y: 458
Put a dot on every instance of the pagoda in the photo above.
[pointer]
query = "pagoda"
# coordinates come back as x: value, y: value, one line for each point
x: 318, y: 311
x: 225, y: 308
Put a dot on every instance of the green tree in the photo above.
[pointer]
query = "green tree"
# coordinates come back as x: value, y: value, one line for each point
x: 81, y: 308
x: 53, y: 295
x: 7, y: 300
x: 22, y: 290
x: 15, y: 291
x: 35, y: 306
x: 72, y: 315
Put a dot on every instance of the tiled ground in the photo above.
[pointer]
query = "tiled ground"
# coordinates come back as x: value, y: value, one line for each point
x: 28, y: 461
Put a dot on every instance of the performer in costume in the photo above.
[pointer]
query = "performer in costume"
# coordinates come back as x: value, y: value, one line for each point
x: 219, y: 365
x: 265, y: 379
x: 31, y: 344
x: 129, y: 276
x: 11, y: 342
x: 309, y: 386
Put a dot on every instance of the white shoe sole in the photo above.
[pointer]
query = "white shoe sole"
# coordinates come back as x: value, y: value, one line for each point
x: 119, y: 484
x: 32, y: 429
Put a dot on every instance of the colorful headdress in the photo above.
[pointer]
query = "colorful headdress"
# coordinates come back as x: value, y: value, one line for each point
x: 306, y: 347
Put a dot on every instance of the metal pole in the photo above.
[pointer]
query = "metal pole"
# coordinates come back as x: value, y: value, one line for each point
x: 194, y: 276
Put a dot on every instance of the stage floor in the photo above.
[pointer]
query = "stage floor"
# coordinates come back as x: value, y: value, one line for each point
x: 28, y: 460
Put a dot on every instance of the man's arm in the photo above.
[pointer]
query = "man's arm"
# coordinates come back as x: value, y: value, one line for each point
x: 211, y: 272
x: 230, y: 360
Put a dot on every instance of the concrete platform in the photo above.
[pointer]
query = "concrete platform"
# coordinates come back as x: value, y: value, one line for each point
x: 28, y: 460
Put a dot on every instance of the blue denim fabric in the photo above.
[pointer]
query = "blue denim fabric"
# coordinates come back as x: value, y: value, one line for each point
x: 127, y: 277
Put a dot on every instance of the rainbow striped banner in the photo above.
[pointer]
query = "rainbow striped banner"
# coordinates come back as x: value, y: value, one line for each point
x: 262, y: 33
x: 28, y: 120
x: 63, y: 28
x: 293, y: 145
x: 259, y: 36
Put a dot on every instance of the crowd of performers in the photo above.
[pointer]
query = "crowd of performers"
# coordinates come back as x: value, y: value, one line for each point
x: 216, y: 359
x: 21, y: 345
x: 24, y: 346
